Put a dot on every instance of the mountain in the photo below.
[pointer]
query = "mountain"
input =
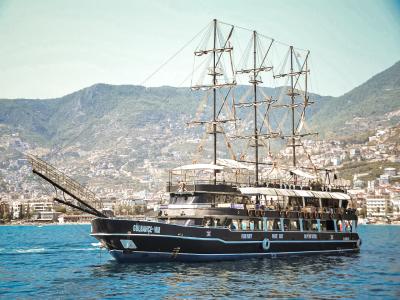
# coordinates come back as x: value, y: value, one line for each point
x: 372, y: 100
x: 95, y: 116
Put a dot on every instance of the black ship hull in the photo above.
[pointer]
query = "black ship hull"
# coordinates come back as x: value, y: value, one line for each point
x: 142, y: 241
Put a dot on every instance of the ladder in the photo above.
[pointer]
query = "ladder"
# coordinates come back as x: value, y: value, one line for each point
x: 65, y: 183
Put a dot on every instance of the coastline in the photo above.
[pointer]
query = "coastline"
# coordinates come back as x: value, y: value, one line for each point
x: 44, y: 224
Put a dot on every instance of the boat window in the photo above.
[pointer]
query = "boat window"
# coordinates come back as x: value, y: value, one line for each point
x: 182, y: 199
x: 348, y: 226
x: 314, y: 225
x: 270, y: 225
x: 307, y: 225
x: 323, y: 225
x: 286, y: 224
x: 189, y: 222
x: 179, y: 221
x: 260, y: 225
x: 294, y: 225
x: 245, y: 224
x: 332, y: 203
x: 207, y: 222
x: 310, y: 201
x: 354, y: 226
x: 251, y: 225
x: 330, y: 225
x: 339, y: 225
x: 277, y: 224
x: 216, y: 222
x: 345, y: 203
x: 234, y: 225
x: 295, y: 203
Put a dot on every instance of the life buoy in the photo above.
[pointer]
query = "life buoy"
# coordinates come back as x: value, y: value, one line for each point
x: 359, y: 243
x: 266, y: 244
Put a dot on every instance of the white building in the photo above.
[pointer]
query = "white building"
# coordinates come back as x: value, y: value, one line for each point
x: 42, y: 206
x: 390, y: 171
x: 384, y: 179
x: 16, y: 209
x: 376, y: 207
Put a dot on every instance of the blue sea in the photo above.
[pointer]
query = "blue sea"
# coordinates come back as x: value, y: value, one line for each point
x: 63, y: 261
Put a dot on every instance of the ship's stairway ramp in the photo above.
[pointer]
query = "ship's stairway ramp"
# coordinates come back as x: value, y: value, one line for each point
x: 66, y: 184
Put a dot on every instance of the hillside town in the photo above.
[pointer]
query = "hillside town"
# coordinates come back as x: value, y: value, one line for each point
x: 132, y: 184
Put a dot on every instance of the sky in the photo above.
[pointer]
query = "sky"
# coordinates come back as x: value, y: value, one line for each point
x: 50, y: 48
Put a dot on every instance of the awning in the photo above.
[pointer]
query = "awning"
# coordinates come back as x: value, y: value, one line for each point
x: 293, y: 193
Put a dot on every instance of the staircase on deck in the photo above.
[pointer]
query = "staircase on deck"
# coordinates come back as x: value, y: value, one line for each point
x: 65, y: 183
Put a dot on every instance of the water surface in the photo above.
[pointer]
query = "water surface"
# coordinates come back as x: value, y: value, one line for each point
x: 63, y: 261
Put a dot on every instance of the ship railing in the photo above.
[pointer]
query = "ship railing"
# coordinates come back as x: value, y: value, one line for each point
x: 55, y: 176
x: 281, y: 184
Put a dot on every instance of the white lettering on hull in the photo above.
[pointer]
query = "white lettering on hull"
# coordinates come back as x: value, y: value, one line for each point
x: 146, y: 229
x: 310, y: 236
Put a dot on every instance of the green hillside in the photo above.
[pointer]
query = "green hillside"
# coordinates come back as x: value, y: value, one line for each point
x: 372, y: 99
x: 95, y: 116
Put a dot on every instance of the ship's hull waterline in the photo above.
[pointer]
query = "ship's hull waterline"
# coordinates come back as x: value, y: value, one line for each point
x: 142, y: 241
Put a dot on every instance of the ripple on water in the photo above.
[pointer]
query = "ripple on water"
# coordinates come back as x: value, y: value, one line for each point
x: 65, y: 262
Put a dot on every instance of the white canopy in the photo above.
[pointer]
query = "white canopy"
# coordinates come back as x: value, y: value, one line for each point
x: 199, y: 167
x: 290, y: 192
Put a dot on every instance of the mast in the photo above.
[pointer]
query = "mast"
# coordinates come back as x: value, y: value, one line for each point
x: 255, y: 80
x: 292, y: 98
x: 255, y: 102
x: 215, y: 100
x: 217, y: 51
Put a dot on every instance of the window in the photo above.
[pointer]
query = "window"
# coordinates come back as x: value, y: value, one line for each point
x: 313, y: 225
x: 307, y: 225
x: 270, y: 225
x: 189, y: 222
x: 323, y: 225
x: 235, y: 225
x: 184, y: 199
x: 339, y: 225
x: 294, y: 225
x: 330, y: 225
x: 245, y: 224
x: 251, y: 225
x: 286, y: 224
x: 348, y: 227
x: 277, y: 224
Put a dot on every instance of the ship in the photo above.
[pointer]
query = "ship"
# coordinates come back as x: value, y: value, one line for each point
x: 242, y: 207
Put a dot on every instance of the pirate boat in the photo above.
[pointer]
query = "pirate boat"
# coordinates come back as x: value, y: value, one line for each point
x: 234, y: 208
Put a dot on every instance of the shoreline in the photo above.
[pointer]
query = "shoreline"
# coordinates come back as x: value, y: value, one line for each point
x: 44, y: 224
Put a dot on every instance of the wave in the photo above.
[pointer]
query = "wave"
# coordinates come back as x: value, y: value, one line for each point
x: 96, y: 244
x: 33, y: 250
x: 47, y: 250
x: 84, y: 249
